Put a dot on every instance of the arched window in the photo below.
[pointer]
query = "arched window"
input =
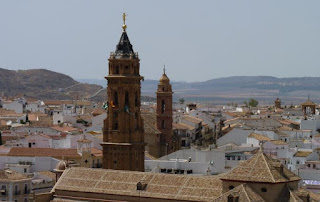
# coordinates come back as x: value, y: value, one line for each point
x: 136, y: 99
x: 163, y: 106
x: 117, y: 70
x: 115, y: 98
x: 126, y: 98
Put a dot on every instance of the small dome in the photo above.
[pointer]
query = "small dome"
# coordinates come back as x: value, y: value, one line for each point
x: 62, y: 165
x: 164, y: 79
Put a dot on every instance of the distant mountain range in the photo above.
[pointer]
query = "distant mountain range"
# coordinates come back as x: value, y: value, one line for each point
x: 45, y: 84
x: 238, y: 88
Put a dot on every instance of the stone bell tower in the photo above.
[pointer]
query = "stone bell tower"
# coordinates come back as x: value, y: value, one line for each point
x: 164, y: 112
x: 123, y: 131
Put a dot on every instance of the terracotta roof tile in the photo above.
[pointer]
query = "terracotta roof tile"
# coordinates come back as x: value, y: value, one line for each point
x: 260, y: 168
x: 11, y: 175
x: 58, y: 153
x: 244, y: 192
x: 302, y: 153
x: 166, y: 186
x: 259, y: 137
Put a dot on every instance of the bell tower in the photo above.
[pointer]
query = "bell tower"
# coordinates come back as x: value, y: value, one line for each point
x: 123, y: 131
x: 164, y: 112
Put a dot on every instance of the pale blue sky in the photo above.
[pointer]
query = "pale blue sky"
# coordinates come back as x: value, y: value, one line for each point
x: 197, y: 40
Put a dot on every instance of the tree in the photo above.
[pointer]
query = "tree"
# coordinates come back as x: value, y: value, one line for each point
x: 181, y: 101
x: 251, y: 103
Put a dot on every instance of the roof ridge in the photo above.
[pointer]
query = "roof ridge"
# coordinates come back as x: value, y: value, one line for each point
x: 264, y: 157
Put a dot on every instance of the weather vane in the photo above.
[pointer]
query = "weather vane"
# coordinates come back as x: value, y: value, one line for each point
x: 124, y: 26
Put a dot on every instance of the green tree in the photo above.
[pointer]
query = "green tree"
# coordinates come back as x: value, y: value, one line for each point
x: 253, y: 102
x: 181, y: 101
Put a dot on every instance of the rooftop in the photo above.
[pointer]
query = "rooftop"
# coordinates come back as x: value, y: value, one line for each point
x: 50, y: 152
x: 103, y: 181
x: 260, y: 168
x: 259, y: 137
x: 302, y: 153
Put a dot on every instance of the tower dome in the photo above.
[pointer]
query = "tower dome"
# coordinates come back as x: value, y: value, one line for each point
x: 61, y: 166
x: 164, y: 78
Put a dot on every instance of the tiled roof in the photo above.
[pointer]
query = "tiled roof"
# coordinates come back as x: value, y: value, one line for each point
x: 96, y: 152
x: 259, y: 137
x: 192, y: 119
x: 308, y: 102
x: 150, y: 121
x: 260, y: 168
x: 302, y: 153
x: 180, y: 126
x: 65, y: 128
x: 244, y: 192
x: 278, y: 142
x: 6, y: 175
x: 58, y: 153
x: 117, y: 182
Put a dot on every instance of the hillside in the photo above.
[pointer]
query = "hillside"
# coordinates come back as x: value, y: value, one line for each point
x: 43, y: 84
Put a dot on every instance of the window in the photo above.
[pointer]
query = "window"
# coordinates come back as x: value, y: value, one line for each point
x: 115, y: 165
x: 298, y: 162
x: 163, y: 124
x: 117, y: 70
x: 24, y: 170
x: 126, y: 98
x: 115, y: 98
x: 163, y: 106
x: 26, y: 191
x: 264, y: 190
x: 231, y: 187
x: 4, y: 190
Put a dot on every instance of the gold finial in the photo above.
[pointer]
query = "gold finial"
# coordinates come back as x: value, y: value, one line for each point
x: 124, y: 26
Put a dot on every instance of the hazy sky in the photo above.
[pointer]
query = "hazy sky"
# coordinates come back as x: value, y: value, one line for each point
x: 197, y: 40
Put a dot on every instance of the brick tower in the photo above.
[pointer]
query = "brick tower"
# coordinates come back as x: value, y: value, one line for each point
x: 164, y: 112
x: 123, y: 131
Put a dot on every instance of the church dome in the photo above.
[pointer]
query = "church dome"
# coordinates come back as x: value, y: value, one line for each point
x: 164, y: 79
x: 62, y: 165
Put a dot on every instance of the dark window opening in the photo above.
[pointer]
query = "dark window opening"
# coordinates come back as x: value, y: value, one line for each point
x: 231, y: 187
x: 163, y: 106
x: 264, y: 190
x: 115, y: 165
x: 117, y: 70
x: 115, y: 98
x: 126, y: 98
x: 163, y: 124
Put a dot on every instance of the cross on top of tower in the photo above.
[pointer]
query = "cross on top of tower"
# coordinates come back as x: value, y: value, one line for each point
x: 124, y: 26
